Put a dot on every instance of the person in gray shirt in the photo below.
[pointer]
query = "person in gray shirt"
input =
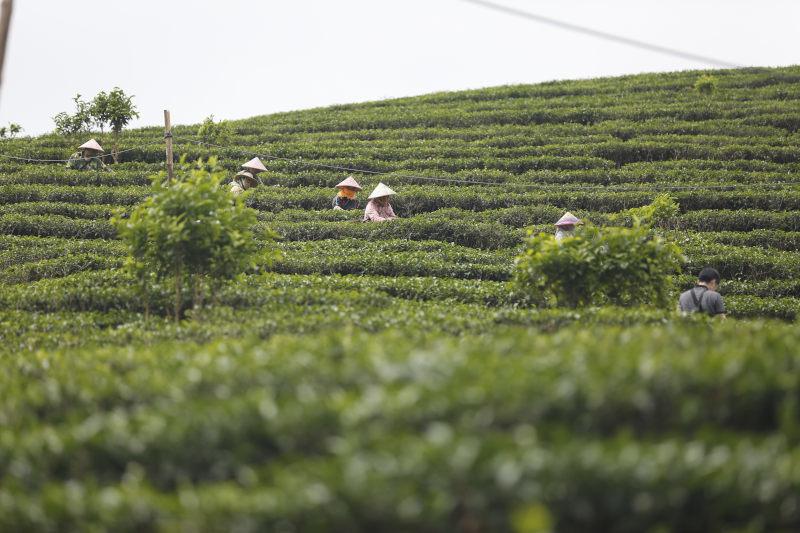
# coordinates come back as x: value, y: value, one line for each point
x: 703, y: 297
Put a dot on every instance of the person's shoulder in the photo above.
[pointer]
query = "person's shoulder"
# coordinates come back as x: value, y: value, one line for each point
x: 713, y: 294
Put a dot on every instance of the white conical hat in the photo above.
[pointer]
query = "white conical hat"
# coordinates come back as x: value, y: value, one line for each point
x: 255, y: 165
x: 381, y: 190
x: 91, y: 144
x: 568, y: 220
x: 351, y: 182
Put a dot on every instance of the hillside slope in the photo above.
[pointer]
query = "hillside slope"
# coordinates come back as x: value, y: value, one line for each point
x: 497, y: 160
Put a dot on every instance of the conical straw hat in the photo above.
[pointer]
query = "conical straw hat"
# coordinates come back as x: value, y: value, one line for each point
x: 91, y: 144
x: 568, y: 220
x: 349, y: 182
x: 255, y: 165
x: 381, y: 190
x: 244, y: 174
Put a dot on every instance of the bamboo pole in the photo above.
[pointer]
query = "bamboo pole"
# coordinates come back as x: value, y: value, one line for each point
x: 168, y: 138
x: 5, y: 24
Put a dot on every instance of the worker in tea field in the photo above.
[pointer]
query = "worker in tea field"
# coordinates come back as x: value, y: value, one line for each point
x: 378, y: 208
x: 565, y: 227
x: 703, y: 297
x: 89, y: 155
x: 252, y: 168
x: 346, y: 197
x: 243, y: 181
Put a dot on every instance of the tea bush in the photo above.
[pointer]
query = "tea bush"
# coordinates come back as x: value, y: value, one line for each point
x: 621, y: 266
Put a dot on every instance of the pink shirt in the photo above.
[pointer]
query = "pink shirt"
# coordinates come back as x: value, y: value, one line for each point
x: 378, y: 213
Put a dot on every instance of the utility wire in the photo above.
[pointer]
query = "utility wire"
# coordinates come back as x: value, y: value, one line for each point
x: 650, y: 186
x: 604, y: 35
x: 34, y: 160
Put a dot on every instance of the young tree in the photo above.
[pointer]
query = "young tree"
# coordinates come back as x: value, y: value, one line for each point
x: 10, y: 131
x: 192, y: 233
x: 115, y: 109
x: 79, y: 122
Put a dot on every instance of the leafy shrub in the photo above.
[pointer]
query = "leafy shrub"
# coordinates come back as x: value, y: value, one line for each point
x: 660, y: 213
x: 191, y: 230
x: 215, y: 132
x: 621, y: 266
x: 706, y: 84
x: 404, y: 432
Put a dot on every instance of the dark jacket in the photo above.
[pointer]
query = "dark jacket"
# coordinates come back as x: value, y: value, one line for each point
x: 345, y: 203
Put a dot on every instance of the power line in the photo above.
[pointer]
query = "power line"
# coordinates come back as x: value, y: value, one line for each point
x: 101, y: 156
x: 604, y: 35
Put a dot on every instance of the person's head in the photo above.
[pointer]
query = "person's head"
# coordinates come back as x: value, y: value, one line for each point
x: 380, y: 195
x: 709, y: 277
x: 348, y: 187
x: 250, y: 182
x: 90, y: 148
x: 254, y: 166
x: 246, y: 180
x: 568, y: 222
x: 349, y: 192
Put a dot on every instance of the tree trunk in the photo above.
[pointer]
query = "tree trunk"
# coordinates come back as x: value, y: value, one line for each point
x: 178, y: 291
x: 197, y: 297
x: 146, y: 294
x: 115, y: 148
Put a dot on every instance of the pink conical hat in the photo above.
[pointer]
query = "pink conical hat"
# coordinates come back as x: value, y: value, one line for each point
x: 381, y: 190
x: 255, y: 165
x: 349, y: 182
x: 91, y: 144
x: 568, y: 220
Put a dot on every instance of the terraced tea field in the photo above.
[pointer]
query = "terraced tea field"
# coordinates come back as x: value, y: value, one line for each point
x: 316, y: 434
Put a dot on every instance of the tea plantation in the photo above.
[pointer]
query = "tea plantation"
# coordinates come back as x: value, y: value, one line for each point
x: 389, y: 377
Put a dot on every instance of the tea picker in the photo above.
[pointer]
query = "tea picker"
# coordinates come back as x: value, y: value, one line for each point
x: 346, y: 199
x: 89, y: 155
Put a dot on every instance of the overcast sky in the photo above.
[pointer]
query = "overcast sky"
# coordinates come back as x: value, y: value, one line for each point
x: 237, y: 58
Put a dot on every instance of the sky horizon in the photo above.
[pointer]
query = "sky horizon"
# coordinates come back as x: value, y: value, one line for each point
x: 313, y: 53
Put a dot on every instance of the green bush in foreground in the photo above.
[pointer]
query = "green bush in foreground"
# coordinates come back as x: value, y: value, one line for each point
x: 661, y: 428
x: 191, y: 231
x: 620, y: 266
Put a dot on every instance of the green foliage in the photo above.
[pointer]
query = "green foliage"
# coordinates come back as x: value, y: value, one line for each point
x: 10, y: 131
x: 116, y: 109
x: 706, y: 85
x: 79, y: 122
x: 215, y: 132
x: 621, y: 266
x: 398, y: 431
x: 662, y: 212
x: 193, y: 231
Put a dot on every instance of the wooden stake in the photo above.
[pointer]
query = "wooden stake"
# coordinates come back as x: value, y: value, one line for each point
x: 168, y: 137
x: 5, y: 23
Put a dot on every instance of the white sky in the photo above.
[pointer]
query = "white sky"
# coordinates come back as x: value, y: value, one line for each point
x: 238, y: 58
